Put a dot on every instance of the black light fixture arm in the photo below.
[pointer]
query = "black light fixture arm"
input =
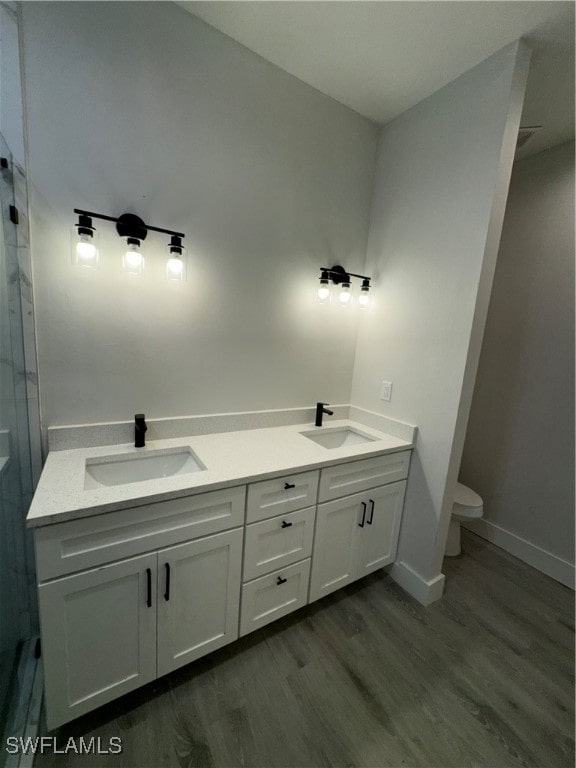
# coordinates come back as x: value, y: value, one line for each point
x: 123, y: 219
x: 338, y: 274
x: 350, y: 274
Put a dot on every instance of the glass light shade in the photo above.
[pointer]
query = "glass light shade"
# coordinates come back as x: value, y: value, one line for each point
x: 133, y: 261
x: 364, y: 299
x: 176, y: 267
x: 84, y: 249
x: 345, y: 297
x: 324, y: 293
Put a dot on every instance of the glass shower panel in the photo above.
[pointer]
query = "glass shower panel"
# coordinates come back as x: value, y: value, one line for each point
x: 17, y: 606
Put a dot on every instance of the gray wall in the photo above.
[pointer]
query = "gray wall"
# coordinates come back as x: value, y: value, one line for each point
x: 141, y: 107
x: 519, y: 451
x: 441, y: 180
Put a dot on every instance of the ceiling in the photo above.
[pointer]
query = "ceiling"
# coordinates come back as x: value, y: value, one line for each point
x: 381, y: 57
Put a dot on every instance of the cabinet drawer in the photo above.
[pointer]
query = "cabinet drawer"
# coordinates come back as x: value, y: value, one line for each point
x: 354, y: 476
x: 79, y: 544
x: 270, y: 597
x: 278, y: 542
x: 282, y: 495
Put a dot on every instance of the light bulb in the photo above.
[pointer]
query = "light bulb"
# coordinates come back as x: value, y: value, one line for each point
x: 133, y: 259
x: 85, y: 248
x: 364, y: 300
x: 176, y: 264
x: 345, y: 297
x: 324, y: 294
x: 84, y: 243
x: 174, y: 268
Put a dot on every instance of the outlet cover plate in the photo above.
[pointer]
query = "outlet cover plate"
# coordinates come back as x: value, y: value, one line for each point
x: 386, y: 391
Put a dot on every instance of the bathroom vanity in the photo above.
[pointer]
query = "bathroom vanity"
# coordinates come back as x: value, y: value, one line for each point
x: 139, y: 578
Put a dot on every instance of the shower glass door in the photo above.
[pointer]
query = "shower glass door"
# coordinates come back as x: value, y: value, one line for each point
x: 17, y: 599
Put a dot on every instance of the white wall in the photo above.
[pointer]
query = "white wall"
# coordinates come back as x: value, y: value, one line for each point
x: 11, y: 107
x: 141, y: 107
x: 441, y: 180
x: 519, y: 450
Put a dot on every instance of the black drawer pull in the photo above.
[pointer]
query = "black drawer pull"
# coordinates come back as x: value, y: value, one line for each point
x: 363, y: 514
x: 371, y: 512
x: 149, y: 587
x: 289, y: 485
x: 285, y: 524
x: 167, y: 592
x: 280, y: 580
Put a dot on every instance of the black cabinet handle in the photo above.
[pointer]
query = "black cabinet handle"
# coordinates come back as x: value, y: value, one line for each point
x: 280, y: 580
x: 363, y: 514
x: 149, y: 587
x: 285, y: 524
x: 167, y: 592
x: 289, y: 485
x: 371, y: 512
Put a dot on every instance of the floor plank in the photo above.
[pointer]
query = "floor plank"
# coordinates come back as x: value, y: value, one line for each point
x: 367, y: 677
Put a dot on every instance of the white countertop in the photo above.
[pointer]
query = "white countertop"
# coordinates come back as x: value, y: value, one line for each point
x: 230, y: 458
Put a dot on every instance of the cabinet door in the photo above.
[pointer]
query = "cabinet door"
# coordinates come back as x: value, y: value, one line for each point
x: 98, y: 636
x: 335, y: 556
x: 379, y: 537
x: 198, y: 598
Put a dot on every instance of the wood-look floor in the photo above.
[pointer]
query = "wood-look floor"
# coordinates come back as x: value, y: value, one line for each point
x: 369, y: 678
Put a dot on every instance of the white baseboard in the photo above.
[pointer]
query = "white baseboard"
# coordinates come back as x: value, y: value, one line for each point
x: 425, y: 591
x: 552, y: 565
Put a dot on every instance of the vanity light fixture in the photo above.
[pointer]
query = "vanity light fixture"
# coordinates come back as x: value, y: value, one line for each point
x: 338, y: 276
x: 131, y: 227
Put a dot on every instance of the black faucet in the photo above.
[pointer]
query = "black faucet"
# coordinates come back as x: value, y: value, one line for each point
x: 320, y: 411
x: 139, y: 430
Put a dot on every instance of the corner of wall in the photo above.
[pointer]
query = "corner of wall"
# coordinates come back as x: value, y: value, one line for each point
x: 425, y: 591
x: 519, y: 79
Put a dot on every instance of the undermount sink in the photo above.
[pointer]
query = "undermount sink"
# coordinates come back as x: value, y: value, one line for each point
x: 121, y: 469
x: 337, y: 437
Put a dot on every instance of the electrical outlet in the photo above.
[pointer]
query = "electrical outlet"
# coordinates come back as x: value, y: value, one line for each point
x: 386, y: 391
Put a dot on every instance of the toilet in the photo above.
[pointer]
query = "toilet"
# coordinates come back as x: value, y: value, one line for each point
x: 467, y: 506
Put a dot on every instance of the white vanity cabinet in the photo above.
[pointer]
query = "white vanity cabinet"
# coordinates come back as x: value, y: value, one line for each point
x: 130, y: 595
x: 113, y: 628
